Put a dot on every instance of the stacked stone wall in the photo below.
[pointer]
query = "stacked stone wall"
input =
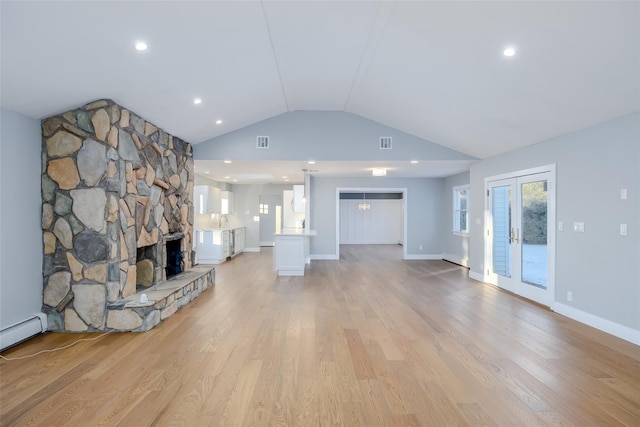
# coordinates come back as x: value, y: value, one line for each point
x: 111, y: 183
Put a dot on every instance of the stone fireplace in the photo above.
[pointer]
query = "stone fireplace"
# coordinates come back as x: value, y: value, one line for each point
x: 117, y: 199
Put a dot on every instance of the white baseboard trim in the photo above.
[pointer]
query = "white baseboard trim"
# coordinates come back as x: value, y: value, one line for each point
x: 326, y: 257
x: 624, y: 332
x: 423, y: 256
x: 477, y: 276
x: 251, y: 250
x: 456, y: 259
x: 617, y: 330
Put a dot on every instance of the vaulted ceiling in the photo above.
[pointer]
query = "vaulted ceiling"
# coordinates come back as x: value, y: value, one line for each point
x: 432, y: 69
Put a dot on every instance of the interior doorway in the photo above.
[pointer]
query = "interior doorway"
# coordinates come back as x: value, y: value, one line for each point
x: 371, y: 216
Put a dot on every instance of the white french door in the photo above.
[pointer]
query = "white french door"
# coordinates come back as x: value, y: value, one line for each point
x: 521, y: 234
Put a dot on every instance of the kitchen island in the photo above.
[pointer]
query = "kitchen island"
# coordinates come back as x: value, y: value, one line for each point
x: 291, y: 251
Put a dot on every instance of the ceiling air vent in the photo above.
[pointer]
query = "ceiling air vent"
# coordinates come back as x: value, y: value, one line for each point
x: 385, y: 143
x: 262, y: 142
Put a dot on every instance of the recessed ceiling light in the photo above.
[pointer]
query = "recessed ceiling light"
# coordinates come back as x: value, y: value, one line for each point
x: 284, y: 177
x: 218, y: 122
x: 311, y: 162
x: 235, y: 180
x: 379, y: 172
x: 140, y: 46
x: 509, y: 51
x: 227, y: 177
x: 206, y: 172
x: 197, y: 101
x: 413, y: 162
x: 227, y: 161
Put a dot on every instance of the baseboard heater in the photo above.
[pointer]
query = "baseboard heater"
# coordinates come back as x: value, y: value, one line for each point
x: 21, y: 331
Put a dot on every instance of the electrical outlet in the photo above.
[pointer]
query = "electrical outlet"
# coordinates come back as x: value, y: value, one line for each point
x: 560, y: 226
x: 420, y: 247
x: 569, y: 296
x: 623, y: 229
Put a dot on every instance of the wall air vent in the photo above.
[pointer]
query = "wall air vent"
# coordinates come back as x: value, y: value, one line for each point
x: 385, y: 143
x: 262, y: 142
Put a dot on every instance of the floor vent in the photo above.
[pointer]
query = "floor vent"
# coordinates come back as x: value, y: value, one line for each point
x: 385, y: 143
x: 262, y: 142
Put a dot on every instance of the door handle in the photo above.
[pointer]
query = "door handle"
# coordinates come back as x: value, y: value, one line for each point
x: 514, y: 238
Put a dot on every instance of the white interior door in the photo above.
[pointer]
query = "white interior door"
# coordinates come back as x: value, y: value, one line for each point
x: 268, y: 217
x: 521, y: 235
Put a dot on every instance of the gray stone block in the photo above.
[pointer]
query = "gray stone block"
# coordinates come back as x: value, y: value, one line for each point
x: 91, y: 246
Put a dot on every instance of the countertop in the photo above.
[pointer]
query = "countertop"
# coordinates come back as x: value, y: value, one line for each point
x: 219, y: 228
x: 296, y: 232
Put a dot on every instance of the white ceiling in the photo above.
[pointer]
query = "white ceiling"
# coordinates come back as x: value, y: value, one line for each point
x: 432, y: 69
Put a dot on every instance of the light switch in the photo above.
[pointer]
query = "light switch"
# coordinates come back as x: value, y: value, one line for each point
x: 623, y: 229
x: 560, y: 225
x: 623, y: 194
x: 578, y: 226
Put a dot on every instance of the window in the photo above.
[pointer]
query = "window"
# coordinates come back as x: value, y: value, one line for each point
x: 264, y: 209
x: 461, y: 209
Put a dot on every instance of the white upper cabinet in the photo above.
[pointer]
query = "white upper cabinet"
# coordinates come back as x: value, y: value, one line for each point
x: 206, y: 199
x: 226, y: 202
x: 298, y: 199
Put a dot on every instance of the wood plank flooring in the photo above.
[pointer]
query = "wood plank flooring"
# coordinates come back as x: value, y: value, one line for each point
x: 370, y: 340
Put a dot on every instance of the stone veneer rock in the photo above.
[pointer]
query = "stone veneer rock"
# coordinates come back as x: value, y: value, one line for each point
x: 111, y: 183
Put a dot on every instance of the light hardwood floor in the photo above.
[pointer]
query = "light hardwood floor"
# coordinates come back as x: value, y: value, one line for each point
x: 365, y: 341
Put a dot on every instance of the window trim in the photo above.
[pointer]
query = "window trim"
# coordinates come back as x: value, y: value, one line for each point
x: 455, y: 208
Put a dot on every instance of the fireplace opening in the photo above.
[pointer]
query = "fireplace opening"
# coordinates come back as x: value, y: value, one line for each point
x: 146, y: 262
x: 174, y: 258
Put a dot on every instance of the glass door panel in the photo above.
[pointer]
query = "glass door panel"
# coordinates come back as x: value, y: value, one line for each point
x: 533, y: 212
x: 501, y: 214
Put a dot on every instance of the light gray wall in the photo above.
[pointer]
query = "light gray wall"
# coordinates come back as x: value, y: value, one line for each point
x: 321, y: 135
x: 456, y: 247
x: 425, y: 216
x: 246, y: 200
x: 20, y: 218
x: 599, y: 266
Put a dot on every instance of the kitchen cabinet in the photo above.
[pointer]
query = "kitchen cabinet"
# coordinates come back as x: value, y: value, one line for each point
x: 212, y: 246
x: 238, y: 240
x: 206, y: 199
x: 226, y: 202
x: 298, y: 199
x: 215, y: 246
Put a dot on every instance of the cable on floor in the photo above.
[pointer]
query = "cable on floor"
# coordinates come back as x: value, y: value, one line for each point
x: 55, y: 349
